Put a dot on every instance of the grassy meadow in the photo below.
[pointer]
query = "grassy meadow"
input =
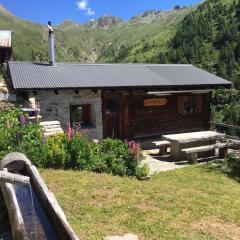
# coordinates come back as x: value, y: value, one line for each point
x: 197, y: 202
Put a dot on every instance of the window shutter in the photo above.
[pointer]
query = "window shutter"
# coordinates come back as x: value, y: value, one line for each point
x: 199, y: 103
x: 180, y: 104
x: 87, y: 114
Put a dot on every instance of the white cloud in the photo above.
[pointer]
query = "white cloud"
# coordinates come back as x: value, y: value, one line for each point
x: 84, y: 5
x: 90, y: 12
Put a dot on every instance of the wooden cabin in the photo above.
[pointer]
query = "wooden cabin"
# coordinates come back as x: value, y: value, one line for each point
x: 123, y: 101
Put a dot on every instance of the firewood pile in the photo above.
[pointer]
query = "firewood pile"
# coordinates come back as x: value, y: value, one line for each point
x: 4, y: 106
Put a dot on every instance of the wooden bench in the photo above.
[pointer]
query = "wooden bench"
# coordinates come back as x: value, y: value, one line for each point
x: 192, y: 153
x: 163, y: 145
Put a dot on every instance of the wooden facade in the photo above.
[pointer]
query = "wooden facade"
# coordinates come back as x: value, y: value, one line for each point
x: 133, y: 114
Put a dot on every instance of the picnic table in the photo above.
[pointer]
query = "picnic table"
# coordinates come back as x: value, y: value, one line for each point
x: 193, y: 139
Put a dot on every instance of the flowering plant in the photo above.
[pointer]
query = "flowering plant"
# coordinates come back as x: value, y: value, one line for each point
x: 134, y: 149
x: 77, y: 130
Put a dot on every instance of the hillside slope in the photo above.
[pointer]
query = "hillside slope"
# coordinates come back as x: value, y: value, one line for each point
x: 102, y: 40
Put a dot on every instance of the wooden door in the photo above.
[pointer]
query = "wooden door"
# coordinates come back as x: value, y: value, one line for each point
x: 111, y: 116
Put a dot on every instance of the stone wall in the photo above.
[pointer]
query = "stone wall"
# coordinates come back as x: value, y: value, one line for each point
x: 57, y: 107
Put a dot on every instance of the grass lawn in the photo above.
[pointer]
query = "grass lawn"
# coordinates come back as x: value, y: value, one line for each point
x: 196, y: 202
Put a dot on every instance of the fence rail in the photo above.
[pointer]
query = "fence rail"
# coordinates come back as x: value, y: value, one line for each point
x: 231, y: 130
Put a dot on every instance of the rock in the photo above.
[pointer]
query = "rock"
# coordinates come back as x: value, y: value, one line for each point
x: 125, y: 237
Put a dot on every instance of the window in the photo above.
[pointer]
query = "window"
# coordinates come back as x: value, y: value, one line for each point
x: 190, y: 104
x: 80, y: 114
x: 112, y: 106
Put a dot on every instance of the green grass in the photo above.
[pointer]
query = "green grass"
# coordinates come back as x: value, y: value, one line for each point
x: 190, y: 203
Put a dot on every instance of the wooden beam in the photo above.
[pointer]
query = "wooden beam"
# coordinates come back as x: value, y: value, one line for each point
x: 15, y: 217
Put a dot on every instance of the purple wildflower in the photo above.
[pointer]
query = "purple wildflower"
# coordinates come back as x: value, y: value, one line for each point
x: 27, y: 120
x: 21, y: 120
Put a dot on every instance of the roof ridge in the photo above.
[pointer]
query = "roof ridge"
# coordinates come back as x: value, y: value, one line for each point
x: 101, y: 64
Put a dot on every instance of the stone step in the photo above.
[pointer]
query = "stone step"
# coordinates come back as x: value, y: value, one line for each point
x: 51, y: 126
x: 48, y: 123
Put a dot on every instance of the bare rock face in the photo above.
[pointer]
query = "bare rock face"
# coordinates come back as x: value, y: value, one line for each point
x: 104, y: 22
x: 125, y: 237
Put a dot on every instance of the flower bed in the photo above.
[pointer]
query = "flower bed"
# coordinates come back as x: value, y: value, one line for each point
x: 70, y: 150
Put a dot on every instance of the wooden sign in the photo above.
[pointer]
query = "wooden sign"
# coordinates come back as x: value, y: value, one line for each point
x: 155, y: 102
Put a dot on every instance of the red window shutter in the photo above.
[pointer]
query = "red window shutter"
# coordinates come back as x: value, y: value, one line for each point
x: 199, y: 101
x: 180, y: 104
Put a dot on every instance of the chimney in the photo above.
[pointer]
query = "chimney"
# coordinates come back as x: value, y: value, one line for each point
x: 51, y: 50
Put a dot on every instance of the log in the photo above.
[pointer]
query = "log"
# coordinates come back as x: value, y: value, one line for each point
x: 51, y: 205
x: 16, y: 162
x: 15, y: 217
x: 13, y: 178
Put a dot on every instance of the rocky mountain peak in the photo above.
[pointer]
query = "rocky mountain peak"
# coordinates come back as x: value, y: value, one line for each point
x: 104, y: 22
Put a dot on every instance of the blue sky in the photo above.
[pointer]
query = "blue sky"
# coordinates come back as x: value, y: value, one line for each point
x: 84, y: 10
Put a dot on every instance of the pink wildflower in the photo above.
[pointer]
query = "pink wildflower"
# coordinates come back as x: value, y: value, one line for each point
x: 134, y: 149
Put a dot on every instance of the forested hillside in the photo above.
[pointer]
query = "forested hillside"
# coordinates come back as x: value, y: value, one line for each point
x: 209, y: 38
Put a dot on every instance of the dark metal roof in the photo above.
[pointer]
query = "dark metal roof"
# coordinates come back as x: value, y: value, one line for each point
x: 26, y: 75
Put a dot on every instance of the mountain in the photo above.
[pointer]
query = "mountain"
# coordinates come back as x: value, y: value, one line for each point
x: 206, y: 35
x: 101, y: 40
x: 105, y: 22
x: 209, y: 38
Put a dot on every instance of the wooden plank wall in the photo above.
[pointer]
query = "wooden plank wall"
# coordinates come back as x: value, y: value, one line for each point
x: 157, y: 120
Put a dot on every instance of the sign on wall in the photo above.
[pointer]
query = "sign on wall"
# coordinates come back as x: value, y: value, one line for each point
x: 5, y: 39
x: 155, y: 102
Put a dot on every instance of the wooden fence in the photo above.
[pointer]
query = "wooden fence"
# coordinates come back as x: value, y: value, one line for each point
x: 231, y: 130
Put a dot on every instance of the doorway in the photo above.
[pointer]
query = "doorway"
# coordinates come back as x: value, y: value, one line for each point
x: 111, y: 116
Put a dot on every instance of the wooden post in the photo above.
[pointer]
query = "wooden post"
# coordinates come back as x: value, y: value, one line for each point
x: 163, y: 150
x: 223, y: 152
x: 192, y: 158
x: 15, y: 217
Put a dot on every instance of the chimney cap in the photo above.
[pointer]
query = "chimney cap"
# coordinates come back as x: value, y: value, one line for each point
x: 50, y: 27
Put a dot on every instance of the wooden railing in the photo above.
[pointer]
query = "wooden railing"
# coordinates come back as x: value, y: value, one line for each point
x: 231, y: 130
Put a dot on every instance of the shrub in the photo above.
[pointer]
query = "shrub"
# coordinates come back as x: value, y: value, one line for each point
x: 115, y: 153
x: 79, y: 151
x: 56, y: 152
x: 70, y: 150
x: 233, y: 166
x: 141, y: 171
